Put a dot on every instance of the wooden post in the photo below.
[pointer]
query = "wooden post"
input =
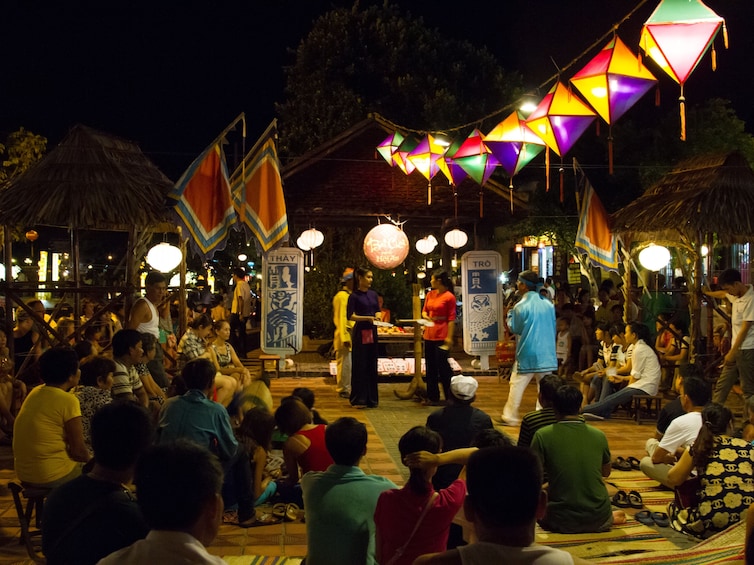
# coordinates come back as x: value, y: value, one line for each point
x: 417, y: 314
x: 182, y: 322
x: 8, y: 249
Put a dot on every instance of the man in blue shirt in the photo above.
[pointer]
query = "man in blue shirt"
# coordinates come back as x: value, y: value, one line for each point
x: 532, y: 319
x: 340, y: 502
x: 196, y: 418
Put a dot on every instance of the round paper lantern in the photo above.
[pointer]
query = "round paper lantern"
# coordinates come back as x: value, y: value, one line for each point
x: 164, y: 257
x: 310, y: 239
x: 425, y: 245
x: 654, y: 257
x: 32, y: 235
x: 456, y: 238
x: 386, y: 246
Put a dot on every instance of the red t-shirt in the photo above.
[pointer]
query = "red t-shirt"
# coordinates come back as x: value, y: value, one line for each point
x: 441, y: 308
x: 316, y: 457
x: 396, y: 515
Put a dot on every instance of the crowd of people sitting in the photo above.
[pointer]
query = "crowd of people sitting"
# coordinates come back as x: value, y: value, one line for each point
x: 102, y: 419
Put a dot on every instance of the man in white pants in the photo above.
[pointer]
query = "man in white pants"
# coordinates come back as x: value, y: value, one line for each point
x: 532, y: 319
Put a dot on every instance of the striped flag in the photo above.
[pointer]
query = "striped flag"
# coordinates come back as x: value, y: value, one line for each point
x: 203, y: 201
x: 258, y: 192
x: 594, y: 237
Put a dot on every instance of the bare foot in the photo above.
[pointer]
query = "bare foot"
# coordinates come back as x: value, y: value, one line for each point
x: 619, y: 517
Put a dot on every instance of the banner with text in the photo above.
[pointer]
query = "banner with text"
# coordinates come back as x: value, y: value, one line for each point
x: 482, y: 302
x: 282, y: 301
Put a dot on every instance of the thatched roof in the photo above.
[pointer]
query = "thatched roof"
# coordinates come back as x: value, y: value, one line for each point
x: 706, y: 194
x: 90, y: 180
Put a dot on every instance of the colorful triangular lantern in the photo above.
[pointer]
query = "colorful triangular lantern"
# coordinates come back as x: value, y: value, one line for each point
x: 389, y: 146
x: 513, y: 144
x: 400, y: 155
x: 474, y: 157
x: 452, y: 170
x: 426, y: 156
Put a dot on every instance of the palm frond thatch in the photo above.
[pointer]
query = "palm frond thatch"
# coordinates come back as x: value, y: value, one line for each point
x: 705, y: 194
x: 90, y: 180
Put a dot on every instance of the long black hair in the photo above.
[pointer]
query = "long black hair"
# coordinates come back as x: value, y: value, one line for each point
x: 419, y: 438
x: 358, y: 273
x: 444, y: 279
x: 715, y: 421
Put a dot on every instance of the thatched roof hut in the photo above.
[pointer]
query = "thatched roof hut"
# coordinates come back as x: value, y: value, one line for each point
x: 705, y: 194
x: 91, y: 180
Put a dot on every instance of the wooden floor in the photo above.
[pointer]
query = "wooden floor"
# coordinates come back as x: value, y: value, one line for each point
x: 385, y: 426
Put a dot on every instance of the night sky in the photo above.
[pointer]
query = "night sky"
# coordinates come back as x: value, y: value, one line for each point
x: 172, y: 75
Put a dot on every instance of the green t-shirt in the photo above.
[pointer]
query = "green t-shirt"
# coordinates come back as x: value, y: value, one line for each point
x: 572, y: 454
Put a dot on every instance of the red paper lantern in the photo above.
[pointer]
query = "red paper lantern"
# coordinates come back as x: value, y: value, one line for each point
x: 386, y: 246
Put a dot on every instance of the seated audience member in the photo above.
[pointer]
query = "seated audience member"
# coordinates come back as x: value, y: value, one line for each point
x: 680, y: 434
x: 504, y: 501
x: 307, y: 397
x: 575, y: 458
x: 340, y: 502
x: 127, y: 351
x: 673, y: 409
x: 149, y: 344
x: 457, y: 423
x: 398, y: 511
x: 305, y: 447
x: 48, y: 437
x: 93, y: 390
x: 644, y: 377
x: 678, y: 356
x: 93, y: 515
x: 597, y: 370
x: 178, y: 488
x: 196, y: 418
x: 540, y: 418
x: 225, y: 357
x: 255, y: 434
x: 724, y: 467
x: 84, y: 350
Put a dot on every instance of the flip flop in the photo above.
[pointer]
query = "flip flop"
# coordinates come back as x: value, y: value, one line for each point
x: 634, y: 499
x: 278, y: 511
x: 634, y: 462
x: 620, y: 499
x: 645, y: 517
x: 661, y: 519
x: 291, y: 512
x: 621, y: 464
x: 265, y: 520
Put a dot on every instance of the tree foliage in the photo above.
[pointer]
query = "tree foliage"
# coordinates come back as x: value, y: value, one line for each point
x: 21, y: 150
x: 361, y: 60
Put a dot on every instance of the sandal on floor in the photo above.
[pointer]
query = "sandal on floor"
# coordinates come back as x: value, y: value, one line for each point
x: 620, y: 499
x: 278, y: 511
x: 645, y: 517
x: 634, y: 499
x: 635, y: 463
x: 621, y: 464
x: 230, y: 517
x: 291, y: 512
x: 265, y: 519
x: 661, y: 519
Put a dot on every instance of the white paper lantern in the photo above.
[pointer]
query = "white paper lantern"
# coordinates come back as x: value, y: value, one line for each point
x: 654, y: 257
x: 456, y: 238
x: 164, y: 257
x: 424, y: 246
x: 310, y: 239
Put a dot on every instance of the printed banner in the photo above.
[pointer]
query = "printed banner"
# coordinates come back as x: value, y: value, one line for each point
x: 482, y: 302
x: 282, y: 301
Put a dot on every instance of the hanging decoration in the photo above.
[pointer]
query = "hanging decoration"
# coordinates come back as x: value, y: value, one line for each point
x: 386, y: 246
x: 612, y: 82
x: 426, y: 245
x: 389, y: 146
x: 401, y: 153
x: 452, y: 170
x: 474, y: 157
x: 164, y: 257
x: 514, y: 145
x: 456, y: 238
x: 559, y: 120
x: 310, y: 239
x: 676, y: 36
x: 425, y: 158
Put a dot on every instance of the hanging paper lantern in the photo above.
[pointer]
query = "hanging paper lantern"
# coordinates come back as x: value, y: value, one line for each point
x: 452, y: 170
x: 426, y: 156
x: 513, y: 144
x: 560, y: 119
x: 400, y: 155
x: 474, y: 157
x: 456, y: 238
x: 612, y: 82
x: 676, y: 36
x: 426, y: 245
x: 386, y: 246
x: 164, y: 257
x: 389, y: 146
x: 654, y: 257
x: 310, y: 239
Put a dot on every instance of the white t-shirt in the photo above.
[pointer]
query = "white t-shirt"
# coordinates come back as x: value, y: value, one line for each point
x: 645, y: 368
x: 743, y: 311
x: 484, y: 553
x: 681, y: 432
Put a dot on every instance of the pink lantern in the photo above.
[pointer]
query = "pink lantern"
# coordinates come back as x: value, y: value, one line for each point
x: 386, y: 246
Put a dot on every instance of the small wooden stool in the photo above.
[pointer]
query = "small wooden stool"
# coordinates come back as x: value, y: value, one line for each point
x: 34, y: 504
x: 653, y: 404
x: 270, y: 364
